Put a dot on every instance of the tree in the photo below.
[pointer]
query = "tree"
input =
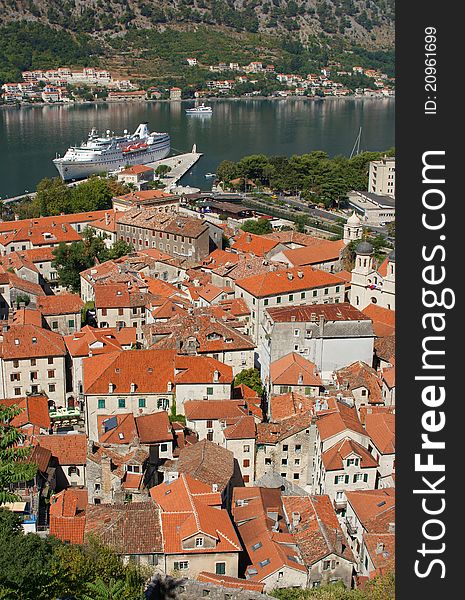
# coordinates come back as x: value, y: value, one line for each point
x: 162, y: 170
x: 250, y: 378
x: 113, y: 590
x: 258, y: 227
x: 90, y: 195
x: 14, y: 464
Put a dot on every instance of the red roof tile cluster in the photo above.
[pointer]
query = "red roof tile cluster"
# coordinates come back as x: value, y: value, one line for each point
x: 313, y: 312
x: 255, y: 512
x: 381, y: 427
x: 250, y: 243
x: 288, y: 405
x: 294, y: 370
x: 358, y: 375
x: 198, y: 332
x: 320, y: 252
x: 30, y: 341
x: 381, y: 548
x: 240, y: 428
x: 67, y: 449
x: 153, y: 220
x: 287, y: 281
x: 315, y: 528
x: 201, y: 410
x: 333, y: 458
x: 375, y: 509
x: 343, y: 418
x: 94, y: 341
x: 190, y: 508
x: 60, y: 304
x: 230, y: 582
x: 34, y: 411
x: 133, y: 528
x: 207, y: 462
x: 272, y: 433
x: 150, y: 371
x: 67, y: 515
x: 384, y: 320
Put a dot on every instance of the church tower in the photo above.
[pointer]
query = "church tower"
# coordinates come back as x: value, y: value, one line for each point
x: 360, y: 274
x: 353, y: 229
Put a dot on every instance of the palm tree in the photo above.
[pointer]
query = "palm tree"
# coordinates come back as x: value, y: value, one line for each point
x: 100, y: 590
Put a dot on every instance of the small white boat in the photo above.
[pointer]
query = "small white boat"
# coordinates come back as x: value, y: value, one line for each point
x: 200, y: 110
x: 210, y: 174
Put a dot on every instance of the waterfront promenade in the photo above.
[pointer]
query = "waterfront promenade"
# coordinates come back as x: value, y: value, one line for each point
x: 179, y: 165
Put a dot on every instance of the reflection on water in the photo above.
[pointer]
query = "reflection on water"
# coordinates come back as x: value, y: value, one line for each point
x: 30, y: 137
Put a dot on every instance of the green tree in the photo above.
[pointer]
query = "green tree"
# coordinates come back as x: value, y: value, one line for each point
x: 258, y: 227
x: 250, y: 378
x: 15, y: 466
x: 162, y: 170
x: 90, y: 195
x: 53, y: 197
x: 113, y: 590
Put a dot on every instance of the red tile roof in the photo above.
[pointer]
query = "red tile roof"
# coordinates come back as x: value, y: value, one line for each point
x: 230, y: 582
x: 311, y: 312
x: 68, y: 449
x: 317, y: 530
x: 294, y: 370
x: 320, y: 252
x: 287, y: 281
x: 384, y: 320
x: 34, y: 411
x: 30, y: 341
x: 357, y: 375
x: 342, y: 419
x: 133, y: 528
x: 272, y: 433
x: 288, y: 405
x: 375, y: 509
x: 207, y: 462
x: 154, y: 428
x: 253, y: 244
x: 67, y: 516
x: 186, y: 511
x: 60, y: 304
x: 96, y: 341
x: 333, y: 457
x: 240, y: 428
x: 213, y: 409
x: 381, y: 427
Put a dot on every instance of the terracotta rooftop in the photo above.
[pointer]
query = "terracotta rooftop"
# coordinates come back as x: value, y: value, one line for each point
x: 213, y: 409
x: 342, y: 419
x: 230, y: 582
x: 333, y: 457
x: 375, y: 509
x: 153, y: 220
x: 34, y: 410
x: 357, y: 375
x: 207, y: 462
x: 67, y: 515
x: 60, y: 304
x: 91, y: 340
x: 320, y: 252
x: 381, y: 427
x: 250, y: 243
x: 288, y: 405
x: 68, y: 449
x: 312, y: 312
x: 287, y: 281
x: 384, y: 320
x: 316, y: 530
x: 273, y: 433
x: 30, y: 341
x: 133, y: 528
x: 240, y: 428
x: 294, y: 370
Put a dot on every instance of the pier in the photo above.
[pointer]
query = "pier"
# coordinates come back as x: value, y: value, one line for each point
x: 179, y: 164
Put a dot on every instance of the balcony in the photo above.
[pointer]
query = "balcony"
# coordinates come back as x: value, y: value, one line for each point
x: 351, y: 528
x: 340, y: 504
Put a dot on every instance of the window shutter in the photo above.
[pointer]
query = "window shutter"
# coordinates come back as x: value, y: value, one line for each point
x: 355, y: 478
x: 347, y: 479
x: 365, y: 477
x: 336, y: 479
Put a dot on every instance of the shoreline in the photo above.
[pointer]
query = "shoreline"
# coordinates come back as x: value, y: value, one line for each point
x: 209, y: 99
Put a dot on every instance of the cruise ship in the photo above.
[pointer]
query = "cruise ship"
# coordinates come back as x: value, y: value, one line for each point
x: 108, y: 152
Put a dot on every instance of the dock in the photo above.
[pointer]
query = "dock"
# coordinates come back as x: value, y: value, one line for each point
x: 179, y: 164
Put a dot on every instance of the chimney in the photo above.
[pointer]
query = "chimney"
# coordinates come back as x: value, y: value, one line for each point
x: 392, y: 528
x: 248, y: 239
x: 107, y: 218
x: 300, y: 380
x: 216, y: 376
x: 111, y: 388
x: 170, y: 386
x: 133, y: 388
x: 300, y: 274
x: 321, y: 324
x: 290, y: 276
x: 379, y: 547
x: 295, y: 519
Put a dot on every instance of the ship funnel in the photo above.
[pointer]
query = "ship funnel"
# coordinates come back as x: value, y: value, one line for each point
x: 142, y: 131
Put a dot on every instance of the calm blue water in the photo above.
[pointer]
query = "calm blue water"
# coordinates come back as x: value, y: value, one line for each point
x: 30, y: 137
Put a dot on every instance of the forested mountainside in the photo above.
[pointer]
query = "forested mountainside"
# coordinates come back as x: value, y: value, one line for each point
x: 142, y: 37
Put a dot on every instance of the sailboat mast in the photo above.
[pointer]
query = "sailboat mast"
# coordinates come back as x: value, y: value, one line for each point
x: 356, y: 147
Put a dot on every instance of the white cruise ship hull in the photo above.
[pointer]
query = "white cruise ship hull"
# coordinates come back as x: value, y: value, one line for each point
x: 73, y: 169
